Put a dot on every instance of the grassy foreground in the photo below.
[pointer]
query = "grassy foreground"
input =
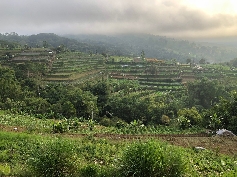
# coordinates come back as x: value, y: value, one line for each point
x: 28, y: 147
x: 23, y: 154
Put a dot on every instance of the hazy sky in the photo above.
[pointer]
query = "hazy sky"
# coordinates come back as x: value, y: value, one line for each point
x: 173, y: 18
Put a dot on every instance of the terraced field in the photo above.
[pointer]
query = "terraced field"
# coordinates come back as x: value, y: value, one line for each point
x: 74, y: 66
x: 159, y: 76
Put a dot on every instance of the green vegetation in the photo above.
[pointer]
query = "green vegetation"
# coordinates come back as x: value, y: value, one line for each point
x: 108, y: 89
x: 152, y: 159
x: 33, y: 155
x: 69, y: 113
x: 53, y: 158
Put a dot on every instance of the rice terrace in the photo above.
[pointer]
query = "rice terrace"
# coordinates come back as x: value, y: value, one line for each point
x: 71, y: 108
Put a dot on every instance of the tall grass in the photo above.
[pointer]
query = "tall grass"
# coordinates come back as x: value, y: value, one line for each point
x: 152, y: 159
x: 55, y: 158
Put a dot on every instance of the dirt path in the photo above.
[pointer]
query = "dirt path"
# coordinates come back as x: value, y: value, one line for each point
x: 219, y: 144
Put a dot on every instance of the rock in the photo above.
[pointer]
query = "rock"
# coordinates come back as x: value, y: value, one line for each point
x: 200, y: 148
x: 224, y: 132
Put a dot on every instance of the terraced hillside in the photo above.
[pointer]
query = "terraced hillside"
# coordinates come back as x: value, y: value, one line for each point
x: 151, y: 74
x: 74, y: 66
x: 167, y: 75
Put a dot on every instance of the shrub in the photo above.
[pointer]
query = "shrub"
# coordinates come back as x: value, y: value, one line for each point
x: 165, y: 119
x: 183, y: 122
x: 152, y: 159
x: 106, y: 122
x: 120, y: 124
x: 191, y: 114
x: 54, y: 158
x: 60, y: 127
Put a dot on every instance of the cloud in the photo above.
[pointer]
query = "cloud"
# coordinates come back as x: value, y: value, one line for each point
x: 162, y: 17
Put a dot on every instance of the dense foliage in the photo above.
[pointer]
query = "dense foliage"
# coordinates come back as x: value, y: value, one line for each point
x: 204, y: 102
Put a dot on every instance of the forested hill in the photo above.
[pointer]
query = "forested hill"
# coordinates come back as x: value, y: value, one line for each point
x: 46, y: 40
x: 159, y: 47
x: 128, y: 45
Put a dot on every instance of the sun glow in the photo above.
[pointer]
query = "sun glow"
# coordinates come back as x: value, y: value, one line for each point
x: 213, y: 6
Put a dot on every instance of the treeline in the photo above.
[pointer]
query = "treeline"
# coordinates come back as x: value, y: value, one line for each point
x: 206, y: 103
x: 44, y: 40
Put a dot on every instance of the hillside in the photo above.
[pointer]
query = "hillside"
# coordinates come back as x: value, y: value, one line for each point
x: 73, y: 113
x: 45, y: 40
x: 159, y: 47
x: 130, y: 45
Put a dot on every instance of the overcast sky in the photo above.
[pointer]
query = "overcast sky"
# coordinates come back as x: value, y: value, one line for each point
x: 172, y: 18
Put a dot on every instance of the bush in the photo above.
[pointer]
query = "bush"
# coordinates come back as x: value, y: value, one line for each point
x: 54, y: 158
x: 152, y: 159
x: 191, y: 114
x: 120, y: 124
x: 165, y: 120
x: 114, y: 121
x: 183, y: 122
x: 106, y: 122
x: 60, y: 127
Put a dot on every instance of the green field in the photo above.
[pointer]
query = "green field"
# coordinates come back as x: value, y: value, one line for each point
x: 30, y: 148
x: 84, y: 114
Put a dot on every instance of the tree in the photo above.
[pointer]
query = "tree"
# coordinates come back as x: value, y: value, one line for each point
x: 26, y: 47
x: 68, y: 109
x: 54, y: 93
x: 202, y: 61
x: 124, y: 107
x: 9, y: 86
x: 234, y: 62
x: 224, y: 113
x: 188, y: 61
x: 101, y: 90
x: 35, y: 105
x: 84, y: 102
x: 204, y: 92
x: 143, y: 55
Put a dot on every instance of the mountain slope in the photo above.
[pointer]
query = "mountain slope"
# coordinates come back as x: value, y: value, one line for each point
x: 49, y: 39
x: 130, y: 45
x: 159, y: 47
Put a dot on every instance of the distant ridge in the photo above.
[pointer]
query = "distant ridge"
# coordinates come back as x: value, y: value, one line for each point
x: 159, y: 47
